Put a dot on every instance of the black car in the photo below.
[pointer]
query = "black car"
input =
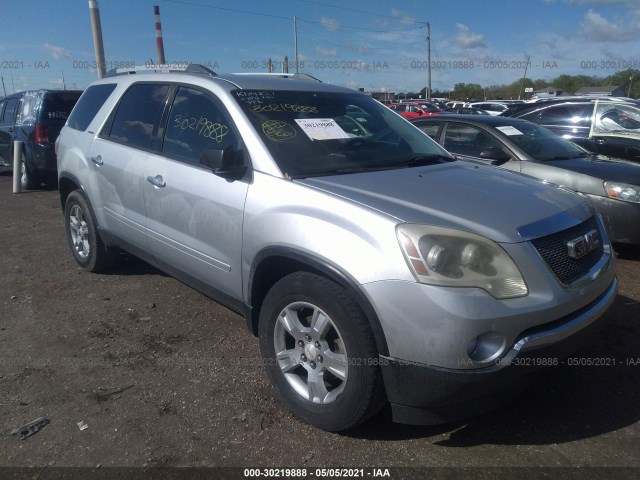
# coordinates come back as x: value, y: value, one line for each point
x: 34, y: 117
x: 604, y: 126
x: 611, y: 185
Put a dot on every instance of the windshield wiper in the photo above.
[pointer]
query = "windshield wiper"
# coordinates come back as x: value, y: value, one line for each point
x: 567, y: 157
x: 421, y: 160
x: 416, y: 161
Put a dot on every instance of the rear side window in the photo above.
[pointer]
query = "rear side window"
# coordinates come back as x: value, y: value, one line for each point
x: 140, y: 107
x: 10, y: 111
x: 567, y: 115
x: 89, y: 104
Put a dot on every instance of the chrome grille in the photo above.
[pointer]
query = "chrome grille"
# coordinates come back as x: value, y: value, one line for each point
x: 553, y: 249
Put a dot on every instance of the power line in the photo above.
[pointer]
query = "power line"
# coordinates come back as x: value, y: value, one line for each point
x: 279, y: 17
x: 194, y: 4
x: 356, y: 10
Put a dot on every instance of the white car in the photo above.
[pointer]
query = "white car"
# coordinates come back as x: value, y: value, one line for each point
x: 494, y: 108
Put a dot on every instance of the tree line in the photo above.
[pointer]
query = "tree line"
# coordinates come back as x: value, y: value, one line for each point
x: 628, y: 80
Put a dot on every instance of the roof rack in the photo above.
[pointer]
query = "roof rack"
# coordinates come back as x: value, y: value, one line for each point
x: 293, y: 76
x: 163, y: 68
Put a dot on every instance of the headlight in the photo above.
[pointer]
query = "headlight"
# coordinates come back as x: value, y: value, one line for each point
x: 448, y: 257
x: 622, y: 191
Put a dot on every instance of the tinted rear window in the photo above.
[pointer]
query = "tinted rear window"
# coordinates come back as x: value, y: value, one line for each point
x: 89, y: 104
x: 58, y: 105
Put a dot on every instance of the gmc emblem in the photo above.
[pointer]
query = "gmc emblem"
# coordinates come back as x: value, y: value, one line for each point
x: 579, y: 247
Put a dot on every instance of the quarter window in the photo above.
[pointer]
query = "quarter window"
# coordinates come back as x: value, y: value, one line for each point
x: 196, y: 123
x: 88, y: 105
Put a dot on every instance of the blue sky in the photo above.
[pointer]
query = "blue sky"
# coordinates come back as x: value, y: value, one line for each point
x: 374, y: 44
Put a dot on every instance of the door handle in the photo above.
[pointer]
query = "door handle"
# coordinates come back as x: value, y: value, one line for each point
x: 156, y: 181
x: 97, y: 160
x: 600, y: 140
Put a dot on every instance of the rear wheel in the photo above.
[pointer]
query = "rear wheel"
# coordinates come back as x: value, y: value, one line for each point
x: 28, y: 179
x: 86, y: 245
x: 319, y: 352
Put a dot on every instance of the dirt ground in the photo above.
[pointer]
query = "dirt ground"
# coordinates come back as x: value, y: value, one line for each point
x: 156, y: 374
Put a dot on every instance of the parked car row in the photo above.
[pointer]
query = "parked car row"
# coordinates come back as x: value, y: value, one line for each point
x: 611, y: 185
x: 373, y: 265
x: 604, y: 126
x: 34, y: 117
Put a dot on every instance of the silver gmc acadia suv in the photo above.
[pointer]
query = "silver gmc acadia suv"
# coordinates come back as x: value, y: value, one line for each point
x: 373, y: 266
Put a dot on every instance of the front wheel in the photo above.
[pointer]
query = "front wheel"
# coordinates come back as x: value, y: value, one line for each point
x: 319, y: 352
x: 86, y: 245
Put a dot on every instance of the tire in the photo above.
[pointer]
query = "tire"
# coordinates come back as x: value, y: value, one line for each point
x: 28, y: 179
x: 86, y: 245
x: 327, y: 369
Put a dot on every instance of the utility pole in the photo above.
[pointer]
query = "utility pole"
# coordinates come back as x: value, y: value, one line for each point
x: 523, y: 78
x: 285, y: 65
x: 64, y: 85
x: 427, y: 93
x: 295, y: 40
x: 159, y: 43
x: 429, y: 59
x: 96, y: 28
x: 630, y: 83
x: 4, y: 89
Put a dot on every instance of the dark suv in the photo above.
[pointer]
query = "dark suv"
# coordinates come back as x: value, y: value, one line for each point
x: 34, y: 117
x: 602, y: 126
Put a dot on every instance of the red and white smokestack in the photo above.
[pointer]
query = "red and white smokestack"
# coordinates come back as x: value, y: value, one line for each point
x: 159, y: 44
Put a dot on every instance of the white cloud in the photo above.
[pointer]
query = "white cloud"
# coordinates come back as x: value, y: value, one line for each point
x: 330, y: 24
x: 57, y: 52
x: 465, y: 38
x: 403, y: 17
x: 596, y: 28
x: 325, y: 52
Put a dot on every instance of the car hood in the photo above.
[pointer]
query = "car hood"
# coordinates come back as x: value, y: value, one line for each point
x: 501, y: 205
x: 602, y: 167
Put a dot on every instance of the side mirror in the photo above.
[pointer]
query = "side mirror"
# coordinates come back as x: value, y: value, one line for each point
x: 496, y: 155
x: 224, y: 162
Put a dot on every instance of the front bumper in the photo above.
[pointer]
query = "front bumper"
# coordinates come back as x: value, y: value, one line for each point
x: 622, y: 218
x: 426, y: 395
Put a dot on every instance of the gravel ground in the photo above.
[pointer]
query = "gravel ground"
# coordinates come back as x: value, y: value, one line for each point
x: 135, y: 369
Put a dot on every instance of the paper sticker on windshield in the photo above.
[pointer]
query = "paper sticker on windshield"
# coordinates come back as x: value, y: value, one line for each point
x: 321, y: 128
x: 509, y: 130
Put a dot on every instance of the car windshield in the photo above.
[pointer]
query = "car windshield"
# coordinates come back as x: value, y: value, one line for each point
x: 540, y: 143
x: 326, y: 133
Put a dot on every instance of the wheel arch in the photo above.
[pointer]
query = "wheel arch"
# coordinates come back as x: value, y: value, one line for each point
x: 67, y: 183
x: 274, y: 263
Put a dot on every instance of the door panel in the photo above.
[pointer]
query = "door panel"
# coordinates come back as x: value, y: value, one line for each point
x: 195, y: 218
x: 194, y: 222
x: 118, y: 157
x: 119, y: 174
